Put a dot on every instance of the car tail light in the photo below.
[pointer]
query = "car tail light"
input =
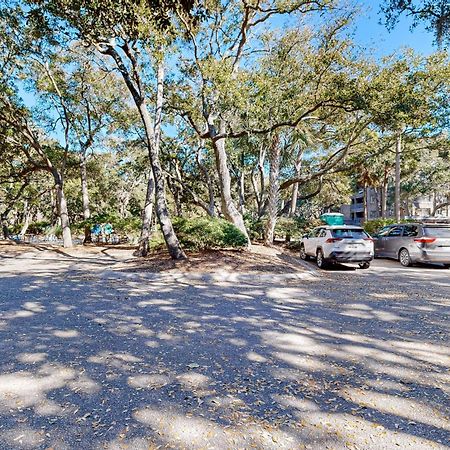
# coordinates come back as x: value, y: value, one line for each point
x: 425, y: 240
x: 332, y: 240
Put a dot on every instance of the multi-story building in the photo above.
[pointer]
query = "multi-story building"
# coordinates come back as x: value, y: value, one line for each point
x: 354, y: 212
x: 419, y: 207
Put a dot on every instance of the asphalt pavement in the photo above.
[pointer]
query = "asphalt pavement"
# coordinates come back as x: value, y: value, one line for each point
x: 94, y: 358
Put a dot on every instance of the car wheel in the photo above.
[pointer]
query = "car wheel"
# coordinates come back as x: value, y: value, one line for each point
x: 364, y: 265
x: 321, y: 263
x: 404, y: 258
x: 303, y: 254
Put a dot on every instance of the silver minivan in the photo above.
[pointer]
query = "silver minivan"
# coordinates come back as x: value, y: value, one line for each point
x: 414, y: 242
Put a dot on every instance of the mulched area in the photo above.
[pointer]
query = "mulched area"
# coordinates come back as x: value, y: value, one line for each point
x: 255, y: 261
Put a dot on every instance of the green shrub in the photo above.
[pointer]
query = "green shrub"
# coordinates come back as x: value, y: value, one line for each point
x: 206, y: 233
x: 129, y: 225
x: 15, y: 229
x: 42, y: 227
x: 374, y: 225
x: 295, y: 227
x: 157, y: 241
x: 255, y: 227
x: 292, y: 227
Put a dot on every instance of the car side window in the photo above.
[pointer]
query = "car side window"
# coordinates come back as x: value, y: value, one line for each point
x: 395, y: 232
x: 410, y: 231
x: 323, y: 233
x: 384, y: 231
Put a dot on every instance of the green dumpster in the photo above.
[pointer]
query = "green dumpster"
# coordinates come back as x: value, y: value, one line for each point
x: 333, y: 218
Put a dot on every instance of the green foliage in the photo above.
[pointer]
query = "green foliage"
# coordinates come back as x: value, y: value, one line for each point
x: 41, y: 227
x: 373, y: 226
x: 128, y: 226
x: 294, y: 227
x: 157, y: 241
x: 101, y: 19
x: 255, y: 227
x: 290, y: 226
x: 205, y: 233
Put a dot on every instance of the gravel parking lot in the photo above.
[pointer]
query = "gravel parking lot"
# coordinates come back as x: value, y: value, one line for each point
x: 343, y: 359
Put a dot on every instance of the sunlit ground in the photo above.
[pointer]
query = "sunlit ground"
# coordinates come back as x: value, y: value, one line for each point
x: 90, y: 359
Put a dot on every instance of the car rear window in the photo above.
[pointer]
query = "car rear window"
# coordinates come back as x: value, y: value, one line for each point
x: 351, y: 234
x: 441, y: 232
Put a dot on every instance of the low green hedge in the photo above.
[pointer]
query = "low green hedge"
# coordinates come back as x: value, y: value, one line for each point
x: 206, y: 233
x: 130, y: 225
x: 202, y: 233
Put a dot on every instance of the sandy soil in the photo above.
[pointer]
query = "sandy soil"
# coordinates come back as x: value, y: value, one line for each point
x: 258, y: 259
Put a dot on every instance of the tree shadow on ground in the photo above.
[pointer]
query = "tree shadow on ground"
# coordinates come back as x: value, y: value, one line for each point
x: 94, y: 361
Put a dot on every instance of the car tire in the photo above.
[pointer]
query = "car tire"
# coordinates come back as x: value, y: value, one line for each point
x: 364, y: 265
x: 404, y: 258
x: 320, y: 259
x: 303, y: 255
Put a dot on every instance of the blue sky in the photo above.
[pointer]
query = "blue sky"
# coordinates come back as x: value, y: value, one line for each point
x: 374, y: 35
x: 370, y: 34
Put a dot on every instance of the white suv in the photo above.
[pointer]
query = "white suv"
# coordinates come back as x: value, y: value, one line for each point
x: 340, y: 243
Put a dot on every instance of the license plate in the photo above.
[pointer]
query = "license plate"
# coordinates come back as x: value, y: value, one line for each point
x: 351, y: 246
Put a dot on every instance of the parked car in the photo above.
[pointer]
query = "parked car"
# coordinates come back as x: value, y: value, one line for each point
x: 341, y: 243
x: 414, y: 242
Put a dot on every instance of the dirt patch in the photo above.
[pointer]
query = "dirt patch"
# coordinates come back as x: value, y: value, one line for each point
x: 12, y: 248
x: 257, y: 260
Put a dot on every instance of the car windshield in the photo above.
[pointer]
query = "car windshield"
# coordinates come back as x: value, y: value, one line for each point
x: 351, y: 234
x: 440, y: 232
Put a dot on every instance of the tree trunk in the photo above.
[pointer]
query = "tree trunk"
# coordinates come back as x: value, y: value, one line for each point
x: 153, y: 141
x: 134, y: 85
x: 261, y: 159
x: 63, y: 212
x: 398, y: 149
x: 256, y: 192
x: 212, y: 205
x: 27, y: 218
x: 407, y: 211
x: 85, y: 197
x: 274, y: 191
x: 147, y: 216
x: 293, y: 205
x: 229, y: 209
x: 173, y: 245
x: 55, y: 219
x: 295, y: 186
x: 211, y: 210
x: 365, y: 204
x: 384, y: 189
x: 177, y: 199
x: 4, y: 221
x: 242, y: 192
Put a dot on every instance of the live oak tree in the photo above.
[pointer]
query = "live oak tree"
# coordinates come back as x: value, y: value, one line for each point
x: 38, y: 152
x: 408, y: 97
x: 125, y: 31
x: 216, y: 62
x: 234, y: 116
